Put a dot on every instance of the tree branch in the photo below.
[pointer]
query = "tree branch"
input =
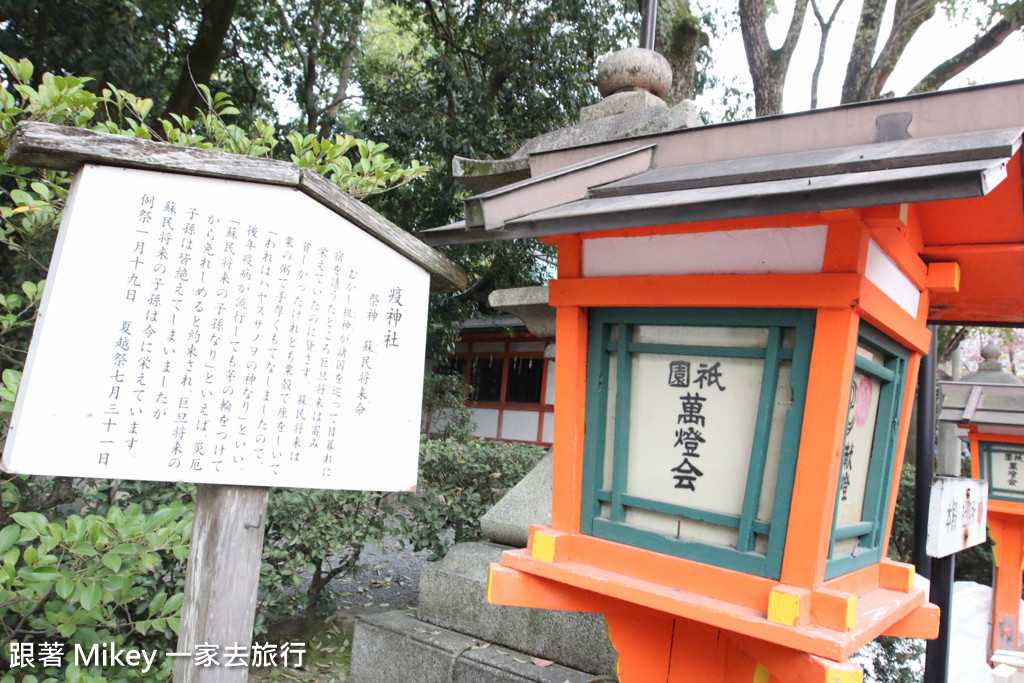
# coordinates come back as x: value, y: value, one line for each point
x: 826, y: 27
x: 958, y: 63
x: 909, y: 17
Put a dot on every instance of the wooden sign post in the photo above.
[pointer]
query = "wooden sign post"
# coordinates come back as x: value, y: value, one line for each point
x: 223, y: 578
x: 235, y: 334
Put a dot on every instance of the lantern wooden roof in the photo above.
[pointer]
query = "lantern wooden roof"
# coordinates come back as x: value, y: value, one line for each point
x: 994, y: 408
x: 952, y: 157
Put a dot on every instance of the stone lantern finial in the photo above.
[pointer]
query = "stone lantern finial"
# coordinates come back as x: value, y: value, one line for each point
x: 990, y: 370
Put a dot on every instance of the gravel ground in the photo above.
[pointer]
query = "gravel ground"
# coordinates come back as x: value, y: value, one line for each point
x: 389, y: 579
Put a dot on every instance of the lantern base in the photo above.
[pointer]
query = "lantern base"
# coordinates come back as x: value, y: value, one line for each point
x: 831, y: 622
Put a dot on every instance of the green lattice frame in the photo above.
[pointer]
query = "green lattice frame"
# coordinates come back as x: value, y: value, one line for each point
x: 871, y: 529
x: 744, y: 557
x: 986, y: 448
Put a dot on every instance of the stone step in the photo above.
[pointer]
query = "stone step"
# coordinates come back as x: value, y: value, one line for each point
x: 395, y: 647
x: 453, y: 595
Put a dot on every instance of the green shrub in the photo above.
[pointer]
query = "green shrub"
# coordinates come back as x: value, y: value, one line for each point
x: 459, y: 480
x: 318, y: 533
x: 92, y: 579
x: 444, y: 404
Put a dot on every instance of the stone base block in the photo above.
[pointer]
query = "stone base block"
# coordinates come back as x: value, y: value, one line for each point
x: 395, y: 647
x: 529, y: 502
x: 453, y: 595
x: 620, y: 103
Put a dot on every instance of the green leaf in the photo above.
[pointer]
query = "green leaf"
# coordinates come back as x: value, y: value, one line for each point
x: 42, y: 190
x: 84, y: 548
x: 44, y: 574
x: 21, y: 197
x: 31, y: 520
x: 173, y: 604
x: 91, y: 596
x: 65, y: 587
x: 158, y: 601
x: 8, y: 535
x: 112, y: 561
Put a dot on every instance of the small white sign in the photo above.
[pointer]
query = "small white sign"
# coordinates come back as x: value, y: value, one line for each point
x: 225, y: 332
x: 957, y: 515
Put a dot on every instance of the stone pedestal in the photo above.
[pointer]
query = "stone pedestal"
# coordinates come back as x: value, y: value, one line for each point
x: 456, y: 635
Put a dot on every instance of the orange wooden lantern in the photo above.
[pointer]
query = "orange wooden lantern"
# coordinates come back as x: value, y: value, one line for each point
x: 994, y: 417
x: 741, y: 312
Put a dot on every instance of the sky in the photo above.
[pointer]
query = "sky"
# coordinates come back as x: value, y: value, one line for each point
x: 938, y: 39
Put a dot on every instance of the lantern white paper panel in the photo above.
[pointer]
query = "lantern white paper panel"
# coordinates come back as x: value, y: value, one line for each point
x: 219, y: 331
x: 691, y: 428
x: 609, y: 433
x: 1007, y: 473
x: 723, y: 414
x: 856, y: 460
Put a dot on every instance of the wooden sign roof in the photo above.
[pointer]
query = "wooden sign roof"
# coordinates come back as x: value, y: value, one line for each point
x: 955, y: 156
x: 64, y: 148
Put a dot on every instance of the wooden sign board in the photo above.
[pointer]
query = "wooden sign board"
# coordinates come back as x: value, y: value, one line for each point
x: 222, y: 332
x: 957, y: 515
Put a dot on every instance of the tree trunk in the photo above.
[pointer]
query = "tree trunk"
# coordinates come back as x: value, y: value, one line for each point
x: 202, y: 58
x: 344, y: 74
x: 768, y: 66
x: 679, y: 38
x: 865, y: 75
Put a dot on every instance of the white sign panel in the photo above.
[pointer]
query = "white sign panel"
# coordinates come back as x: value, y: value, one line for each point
x: 218, y: 331
x: 957, y: 515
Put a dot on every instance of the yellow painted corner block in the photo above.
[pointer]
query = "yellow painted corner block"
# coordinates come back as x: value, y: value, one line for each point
x: 851, y: 612
x: 543, y: 547
x: 845, y: 675
x: 789, y: 605
x: 761, y: 674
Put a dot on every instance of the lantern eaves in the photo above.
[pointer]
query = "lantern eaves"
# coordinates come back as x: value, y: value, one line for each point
x: 953, y: 156
x: 993, y: 408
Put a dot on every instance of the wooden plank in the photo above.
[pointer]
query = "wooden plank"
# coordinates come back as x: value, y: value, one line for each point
x: 989, y: 144
x: 222, y: 580
x: 66, y: 149
x: 444, y: 275
x: 773, y: 290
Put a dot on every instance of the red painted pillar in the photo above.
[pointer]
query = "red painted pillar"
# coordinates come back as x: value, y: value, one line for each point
x: 1008, y: 547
